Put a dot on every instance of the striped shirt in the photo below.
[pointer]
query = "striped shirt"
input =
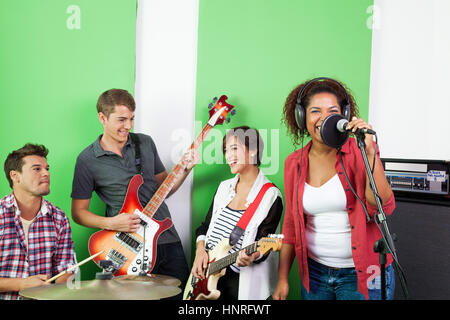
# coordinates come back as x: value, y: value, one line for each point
x: 225, y: 223
x: 49, y: 250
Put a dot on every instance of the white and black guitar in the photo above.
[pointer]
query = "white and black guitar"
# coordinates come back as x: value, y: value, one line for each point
x: 219, y: 259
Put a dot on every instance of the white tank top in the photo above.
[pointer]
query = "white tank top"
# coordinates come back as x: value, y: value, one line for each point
x: 328, y: 234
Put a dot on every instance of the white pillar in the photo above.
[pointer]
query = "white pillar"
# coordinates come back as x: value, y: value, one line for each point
x: 166, y: 62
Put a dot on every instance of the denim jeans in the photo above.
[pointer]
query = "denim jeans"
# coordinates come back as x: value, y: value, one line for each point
x: 171, y: 261
x: 327, y: 283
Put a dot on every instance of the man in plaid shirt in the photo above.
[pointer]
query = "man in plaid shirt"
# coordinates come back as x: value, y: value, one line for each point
x: 35, y: 236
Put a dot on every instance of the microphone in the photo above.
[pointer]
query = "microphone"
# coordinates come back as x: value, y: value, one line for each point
x: 331, y: 136
x: 334, y: 133
x: 341, y: 126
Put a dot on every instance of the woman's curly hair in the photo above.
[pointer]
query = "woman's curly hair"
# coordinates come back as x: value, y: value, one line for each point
x: 315, y: 87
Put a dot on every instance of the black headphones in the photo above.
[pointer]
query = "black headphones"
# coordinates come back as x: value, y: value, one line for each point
x: 300, y: 111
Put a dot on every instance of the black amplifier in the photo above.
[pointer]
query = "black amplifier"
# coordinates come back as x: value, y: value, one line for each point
x: 421, y: 180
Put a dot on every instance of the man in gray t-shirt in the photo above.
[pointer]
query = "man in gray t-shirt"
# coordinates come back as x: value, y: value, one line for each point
x: 107, y: 166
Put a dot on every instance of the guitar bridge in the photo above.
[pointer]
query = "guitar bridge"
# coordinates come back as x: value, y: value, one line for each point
x: 117, y: 259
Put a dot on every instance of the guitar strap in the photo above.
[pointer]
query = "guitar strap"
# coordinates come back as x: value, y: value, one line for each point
x: 240, y: 227
x: 135, y: 139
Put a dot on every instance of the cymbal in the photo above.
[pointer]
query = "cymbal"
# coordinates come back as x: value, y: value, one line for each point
x: 101, y: 290
x: 156, y: 278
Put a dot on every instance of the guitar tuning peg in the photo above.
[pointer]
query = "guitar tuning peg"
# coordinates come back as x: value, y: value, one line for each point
x: 210, y: 106
x: 227, y: 120
x: 214, y: 99
x: 233, y: 112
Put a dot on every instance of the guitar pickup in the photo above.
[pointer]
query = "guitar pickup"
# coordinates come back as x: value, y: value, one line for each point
x: 143, y: 223
x: 129, y: 241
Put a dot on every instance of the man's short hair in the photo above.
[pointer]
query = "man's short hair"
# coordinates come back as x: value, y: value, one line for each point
x: 14, y: 160
x: 109, y: 99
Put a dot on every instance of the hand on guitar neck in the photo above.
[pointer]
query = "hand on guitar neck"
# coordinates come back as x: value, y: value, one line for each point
x: 190, y: 159
x: 187, y: 162
x: 244, y: 260
x: 202, y: 259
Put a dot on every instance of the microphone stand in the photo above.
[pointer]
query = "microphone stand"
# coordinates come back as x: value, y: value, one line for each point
x: 383, y: 245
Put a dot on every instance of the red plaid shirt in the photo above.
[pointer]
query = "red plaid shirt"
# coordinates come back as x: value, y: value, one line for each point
x: 50, y: 246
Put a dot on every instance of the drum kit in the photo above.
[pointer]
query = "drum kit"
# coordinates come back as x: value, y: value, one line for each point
x: 144, y: 286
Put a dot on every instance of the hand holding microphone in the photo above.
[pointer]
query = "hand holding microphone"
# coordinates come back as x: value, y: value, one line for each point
x: 356, y: 126
x: 362, y: 128
x: 335, y: 130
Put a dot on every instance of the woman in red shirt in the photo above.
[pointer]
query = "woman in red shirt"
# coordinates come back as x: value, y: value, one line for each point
x: 325, y: 225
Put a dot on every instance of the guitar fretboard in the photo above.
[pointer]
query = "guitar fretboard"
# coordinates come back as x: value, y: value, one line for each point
x: 169, y: 182
x: 230, y: 259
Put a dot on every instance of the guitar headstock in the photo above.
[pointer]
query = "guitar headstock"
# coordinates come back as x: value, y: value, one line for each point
x: 219, y: 110
x: 271, y: 242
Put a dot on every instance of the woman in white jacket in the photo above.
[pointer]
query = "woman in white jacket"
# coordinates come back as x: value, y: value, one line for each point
x: 252, y: 277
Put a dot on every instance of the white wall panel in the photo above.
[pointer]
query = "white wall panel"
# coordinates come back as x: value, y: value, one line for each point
x: 166, y: 56
x: 409, y: 105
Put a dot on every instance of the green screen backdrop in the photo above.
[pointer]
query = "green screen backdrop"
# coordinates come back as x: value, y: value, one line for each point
x: 256, y: 52
x: 56, y: 57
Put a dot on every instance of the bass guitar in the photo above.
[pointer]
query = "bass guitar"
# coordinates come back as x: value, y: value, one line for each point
x: 133, y: 253
x: 219, y: 259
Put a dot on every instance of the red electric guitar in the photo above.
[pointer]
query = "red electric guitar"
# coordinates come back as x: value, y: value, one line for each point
x: 129, y: 251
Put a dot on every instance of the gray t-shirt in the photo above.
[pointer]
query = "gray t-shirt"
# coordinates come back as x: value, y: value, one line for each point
x: 108, y: 175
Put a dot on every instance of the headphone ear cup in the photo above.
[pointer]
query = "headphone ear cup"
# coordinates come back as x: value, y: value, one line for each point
x: 346, y: 112
x: 300, y: 116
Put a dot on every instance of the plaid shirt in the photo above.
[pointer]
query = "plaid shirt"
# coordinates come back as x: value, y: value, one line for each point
x: 50, y: 246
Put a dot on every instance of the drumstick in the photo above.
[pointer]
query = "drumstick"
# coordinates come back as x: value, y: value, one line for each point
x: 74, y: 267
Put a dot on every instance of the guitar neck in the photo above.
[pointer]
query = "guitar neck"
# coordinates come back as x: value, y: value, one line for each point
x: 230, y: 259
x: 168, y: 183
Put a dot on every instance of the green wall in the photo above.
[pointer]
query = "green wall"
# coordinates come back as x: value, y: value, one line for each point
x: 256, y: 52
x: 50, y: 78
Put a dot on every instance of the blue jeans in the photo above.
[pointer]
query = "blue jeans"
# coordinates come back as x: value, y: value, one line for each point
x: 327, y: 283
x: 170, y: 261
